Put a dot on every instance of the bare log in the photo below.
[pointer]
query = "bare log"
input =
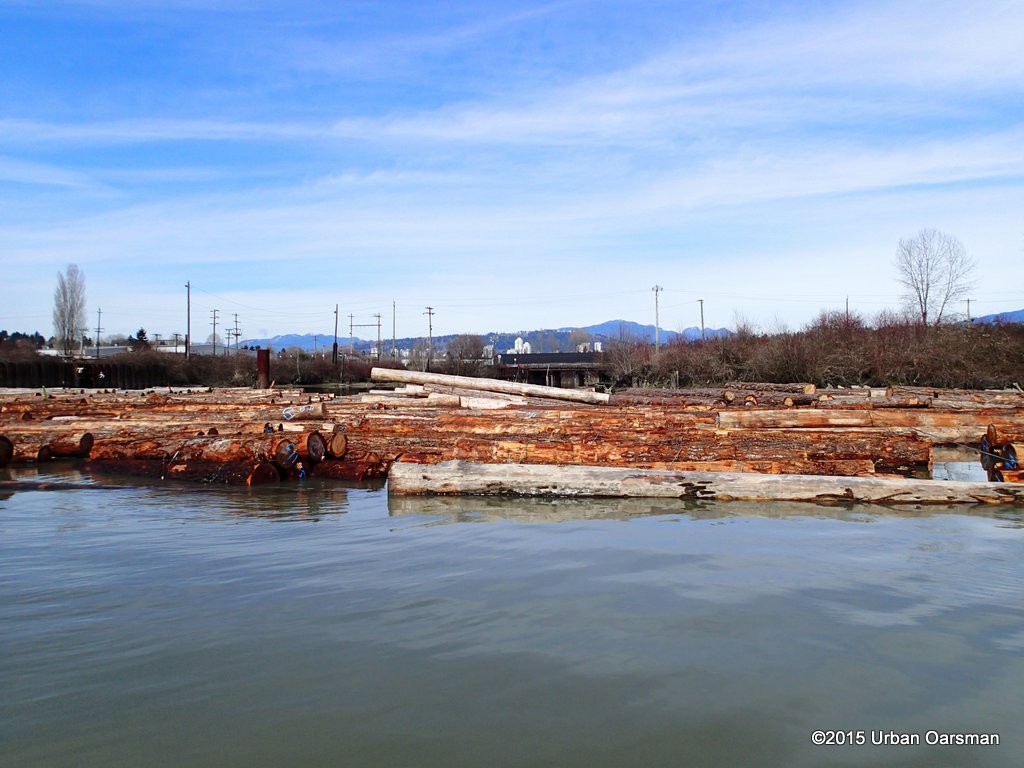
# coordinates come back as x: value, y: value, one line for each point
x: 487, y: 385
x: 463, y: 478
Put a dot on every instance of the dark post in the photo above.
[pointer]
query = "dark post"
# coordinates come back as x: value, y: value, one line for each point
x: 262, y: 369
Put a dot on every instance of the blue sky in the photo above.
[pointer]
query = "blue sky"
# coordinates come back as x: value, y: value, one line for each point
x: 514, y: 165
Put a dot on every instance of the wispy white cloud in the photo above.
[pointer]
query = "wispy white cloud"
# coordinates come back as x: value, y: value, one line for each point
x: 13, y: 170
x: 146, y: 130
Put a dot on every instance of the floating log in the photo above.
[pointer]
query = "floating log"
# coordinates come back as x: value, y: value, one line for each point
x: 366, y: 467
x: 817, y: 451
x: 217, y: 472
x: 488, y: 385
x: 277, y: 449
x: 31, y: 450
x: 62, y: 443
x: 464, y: 478
x: 228, y: 473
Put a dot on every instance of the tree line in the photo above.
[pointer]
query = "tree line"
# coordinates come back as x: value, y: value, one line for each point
x: 919, y: 345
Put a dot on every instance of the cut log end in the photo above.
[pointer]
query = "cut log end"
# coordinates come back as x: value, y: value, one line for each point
x: 336, y: 444
x: 263, y: 473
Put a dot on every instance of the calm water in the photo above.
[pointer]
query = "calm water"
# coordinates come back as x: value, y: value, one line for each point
x: 177, y: 626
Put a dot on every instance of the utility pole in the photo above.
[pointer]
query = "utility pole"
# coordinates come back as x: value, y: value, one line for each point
x: 657, y: 324
x: 176, y: 336
x: 394, y: 346
x: 215, y: 332
x: 351, y: 338
x: 430, y: 334
x: 188, y: 321
x: 968, y: 311
x: 701, y: 302
x: 378, y: 336
x: 334, y: 349
x: 236, y: 333
x: 99, y: 314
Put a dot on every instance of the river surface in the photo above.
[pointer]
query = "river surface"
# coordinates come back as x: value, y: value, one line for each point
x: 176, y: 625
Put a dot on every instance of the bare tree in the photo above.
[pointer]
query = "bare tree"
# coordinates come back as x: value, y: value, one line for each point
x: 69, y: 309
x: 934, y: 270
x: 464, y: 351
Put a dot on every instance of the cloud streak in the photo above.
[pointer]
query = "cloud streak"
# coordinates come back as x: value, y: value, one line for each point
x: 753, y: 142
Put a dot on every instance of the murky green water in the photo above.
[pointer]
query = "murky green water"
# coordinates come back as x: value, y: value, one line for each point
x: 183, y: 626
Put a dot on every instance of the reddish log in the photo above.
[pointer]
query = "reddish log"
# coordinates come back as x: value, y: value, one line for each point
x: 277, y: 448
x: 365, y: 467
x: 227, y: 473
x: 29, y: 450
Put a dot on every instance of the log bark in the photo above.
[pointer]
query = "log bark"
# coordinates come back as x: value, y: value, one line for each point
x: 62, y: 443
x: 31, y: 450
x: 277, y: 449
x: 216, y: 472
x: 463, y: 478
x: 304, y: 412
x: 227, y: 473
x: 754, y: 386
x: 311, y: 445
x: 365, y: 467
x: 793, y: 419
x: 488, y: 385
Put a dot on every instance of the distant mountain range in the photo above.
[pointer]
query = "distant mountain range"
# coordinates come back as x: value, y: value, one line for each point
x: 546, y: 340
x: 1017, y: 316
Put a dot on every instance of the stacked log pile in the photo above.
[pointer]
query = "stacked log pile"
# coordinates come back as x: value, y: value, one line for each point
x: 253, y: 436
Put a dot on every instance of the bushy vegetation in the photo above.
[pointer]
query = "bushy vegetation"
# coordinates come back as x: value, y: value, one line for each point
x: 834, y: 350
